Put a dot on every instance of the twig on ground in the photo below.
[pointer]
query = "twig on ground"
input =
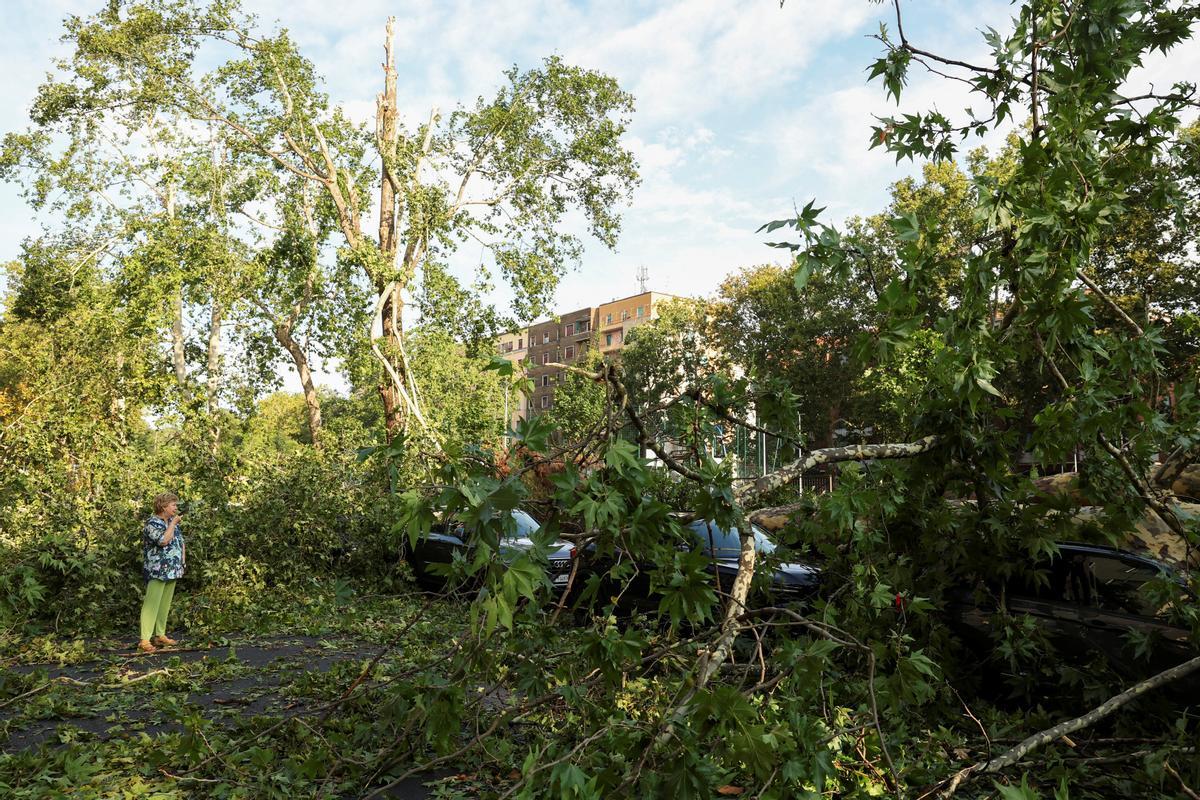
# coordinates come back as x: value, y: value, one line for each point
x: 1186, y: 789
x: 1041, y: 738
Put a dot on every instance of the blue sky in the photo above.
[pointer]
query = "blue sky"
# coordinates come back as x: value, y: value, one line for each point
x: 743, y: 107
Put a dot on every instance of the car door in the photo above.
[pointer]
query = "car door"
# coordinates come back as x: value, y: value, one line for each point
x: 1118, y: 607
x: 722, y: 547
x: 1051, y: 593
x: 436, y: 547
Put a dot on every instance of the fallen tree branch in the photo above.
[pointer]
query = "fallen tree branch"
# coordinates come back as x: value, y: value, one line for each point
x: 844, y: 639
x: 711, y: 660
x: 1041, y: 738
x: 1143, y: 489
x: 621, y: 398
x: 67, y: 680
x: 1173, y: 467
x: 1174, y: 774
x: 831, y: 455
x: 1108, y: 301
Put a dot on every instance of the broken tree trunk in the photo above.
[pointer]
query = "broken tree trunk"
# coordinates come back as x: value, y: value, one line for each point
x: 312, y: 403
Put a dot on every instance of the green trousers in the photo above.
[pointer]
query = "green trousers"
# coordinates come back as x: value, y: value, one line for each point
x: 155, y: 608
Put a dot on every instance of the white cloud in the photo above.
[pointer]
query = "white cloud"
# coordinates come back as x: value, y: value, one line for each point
x: 692, y: 58
x: 743, y: 107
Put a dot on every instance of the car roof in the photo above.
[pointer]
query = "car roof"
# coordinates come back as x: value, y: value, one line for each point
x: 1108, y: 550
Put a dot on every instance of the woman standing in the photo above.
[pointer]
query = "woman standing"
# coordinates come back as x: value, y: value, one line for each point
x: 163, y: 559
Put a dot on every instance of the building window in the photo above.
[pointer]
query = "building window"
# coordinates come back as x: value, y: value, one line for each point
x: 608, y: 320
x: 546, y: 337
x: 624, y: 316
x: 506, y: 347
x: 608, y: 340
x: 545, y: 358
x: 570, y: 352
x: 520, y: 344
x: 545, y: 380
x: 545, y: 401
x: 641, y: 311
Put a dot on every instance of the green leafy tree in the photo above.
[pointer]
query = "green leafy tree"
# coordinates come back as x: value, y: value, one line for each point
x: 468, y: 409
x: 1147, y: 261
x: 990, y: 292
x: 673, y: 355
x: 504, y: 171
x: 76, y: 370
x: 149, y: 191
x: 580, y: 401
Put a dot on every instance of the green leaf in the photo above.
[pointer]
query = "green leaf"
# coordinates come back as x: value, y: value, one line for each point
x: 804, y: 270
x: 1021, y: 792
x: 906, y: 227
x: 501, y: 365
x: 986, y: 385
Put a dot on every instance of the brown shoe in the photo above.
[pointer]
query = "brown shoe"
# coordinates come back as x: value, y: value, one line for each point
x: 163, y: 641
x: 146, y: 647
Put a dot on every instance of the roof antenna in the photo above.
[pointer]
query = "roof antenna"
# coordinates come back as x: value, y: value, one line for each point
x: 642, y: 276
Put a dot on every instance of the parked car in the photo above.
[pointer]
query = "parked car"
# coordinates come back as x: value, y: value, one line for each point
x: 1089, y: 599
x: 787, y: 582
x: 448, y: 537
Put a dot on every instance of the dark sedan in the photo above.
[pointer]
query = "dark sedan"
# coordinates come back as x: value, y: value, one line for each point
x: 447, y: 538
x: 1088, y: 600
x: 787, y: 581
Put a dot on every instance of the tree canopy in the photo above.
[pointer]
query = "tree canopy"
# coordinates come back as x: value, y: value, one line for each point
x: 1005, y: 312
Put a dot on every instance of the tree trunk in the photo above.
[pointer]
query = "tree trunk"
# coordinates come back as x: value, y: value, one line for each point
x: 393, y: 404
x: 312, y: 404
x: 216, y: 318
x: 177, y: 353
x: 386, y: 115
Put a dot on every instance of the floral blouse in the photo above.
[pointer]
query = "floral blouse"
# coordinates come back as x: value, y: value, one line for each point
x: 161, y: 562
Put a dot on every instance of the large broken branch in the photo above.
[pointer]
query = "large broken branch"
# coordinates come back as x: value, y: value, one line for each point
x: 1173, y: 467
x: 1108, y: 301
x: 608, y: 374
x: 397, y: 382
x: 754, y: 487
x: 1041, y: 738
x: 711, y: 661
x: 1136, y: 481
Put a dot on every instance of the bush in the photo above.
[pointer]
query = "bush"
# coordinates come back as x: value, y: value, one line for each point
x: 261, y: 520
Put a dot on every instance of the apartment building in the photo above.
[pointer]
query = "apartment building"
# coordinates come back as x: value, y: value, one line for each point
x: 514, y: 347
x: 562, y: 341
x: 615, y: 319
x: 565, y: 339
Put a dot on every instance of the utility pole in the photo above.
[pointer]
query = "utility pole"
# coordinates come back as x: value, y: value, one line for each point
x: 643, y: 275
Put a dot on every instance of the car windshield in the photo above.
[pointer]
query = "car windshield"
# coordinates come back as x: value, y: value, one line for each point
x: 726, y: 543
x: 526, y: 525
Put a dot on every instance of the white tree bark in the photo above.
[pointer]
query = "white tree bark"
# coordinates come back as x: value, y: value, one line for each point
x: 1041, y: 738
x: 831, y: 455
x: 178, y: 358
x: 312, y: 403
x: 216, y: 320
